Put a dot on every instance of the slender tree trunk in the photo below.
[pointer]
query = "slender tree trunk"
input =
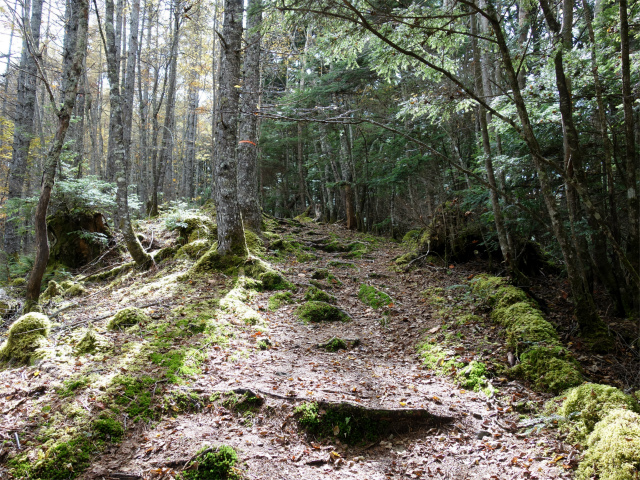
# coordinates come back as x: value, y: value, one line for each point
x: 230, y: 232
x: 119, y: 161
x: 248, y: 131
x: 23, y: 125
x: 73, y: 58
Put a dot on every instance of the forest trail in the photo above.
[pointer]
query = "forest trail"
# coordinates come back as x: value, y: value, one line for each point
x: 472, y: 435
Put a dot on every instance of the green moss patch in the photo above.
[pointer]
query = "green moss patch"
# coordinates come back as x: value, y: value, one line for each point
x: 213, y: 464
x: 90, y: 342
x: 315, y: 311
x: 613, y: 448
x: 278, y: 299
x: 134, y: 395
x: 373, y: 297
x: 473, y: 376
x: 127, y: 317
x: 320, y: 274
x: 243, y: 401
x: 315, y: 294
x: 194, y: 250
x: 335, y: 344
x: 108, y: 428
x: 589, y: 403
x: 53, y: 290
x: 26, y: 335
x: 543, y: 359
x: 75, y: 290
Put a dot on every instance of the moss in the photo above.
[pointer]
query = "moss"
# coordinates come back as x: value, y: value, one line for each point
x: 613, y: 449
x: 344, y: 421
x: 90, y: 342
x: 373, y: 297
x: 234, y: 302
x: 114, y: 272
x: 245, y: 402
x: 66, y: 284
x: 212, y: 261
x: 509, y: 295
x: 18, y: 282
x: 53, y: 290
x: 135, y: 396
x: 179, y: 363
x: 338, y: 264
x: 26, y: 335
x: 63, y: 461
x: 487, y: 287
x: 411, y: 238
x: 70, y: 385
x: 108, y: 428
x: 255, y: 244
x: 589, y: 403
x: 278, y: 299
x: 434, y: 357
x: 549, y: 368
x: 192, y: 226
x: 273, y: 280
x: 75, y: 290
x: 127, y: 317
x: 314, y: 311
x: 164, y: 253
x: 335, y: 344
x: 525, y: 325
x: 263, y: 344
x: 406, y: 258
x: 194, y: 250
x: 213, y: 464
x: 320, y: 274
x: 473, y: 376
x: 303, y: 257
x: 314, y: 293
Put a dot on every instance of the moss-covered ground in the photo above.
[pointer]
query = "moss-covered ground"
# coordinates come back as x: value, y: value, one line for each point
x: 203, y: 364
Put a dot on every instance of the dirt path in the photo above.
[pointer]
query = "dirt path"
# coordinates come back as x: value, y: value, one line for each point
x: 478, y: 441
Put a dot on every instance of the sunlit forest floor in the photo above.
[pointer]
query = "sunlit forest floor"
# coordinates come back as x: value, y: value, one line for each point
x: 217, y: 362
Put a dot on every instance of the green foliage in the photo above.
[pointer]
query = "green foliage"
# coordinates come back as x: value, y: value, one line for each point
x: 213, y: 464
x: 136, y: 396
x: 72, y: 384
x: 127, y: 317
x: 473, y: 376
x: 335, y: 344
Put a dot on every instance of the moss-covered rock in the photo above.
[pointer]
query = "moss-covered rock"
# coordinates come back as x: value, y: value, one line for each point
x: 589, y: 403
x: 213, y: 261
x: 18, y: 282
x: 194, y: 250
x: 66, y: 284
x: 164, y: 253
x: 26, y: 335
x: 90, y: 342
x: 192, y: 226
x: 53, y: 290
x: 613, y: 448
x: 314, y: 293
x: 314, y: 311
x: 75, y: 290
x: 127, y: 317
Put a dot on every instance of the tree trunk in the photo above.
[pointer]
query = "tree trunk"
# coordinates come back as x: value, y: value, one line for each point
x: 119, y: 160
x: 230, y: 232
x: 23, y: 125
x: 248, y: 131
x: 73, y: 58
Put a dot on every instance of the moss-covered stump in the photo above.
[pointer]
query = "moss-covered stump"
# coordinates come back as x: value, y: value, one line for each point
x: 543, y: 359
x: 213, y: 261
x: 77, y: 237
x: 354, y: 424
x: 314, y: 293
x: 26, y: 335
x: 127, y: 317
x: 315, y: 311
x: 334, y: 344
x: 613, y: 448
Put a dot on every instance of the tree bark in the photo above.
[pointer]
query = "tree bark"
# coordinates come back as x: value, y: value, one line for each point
x: 73, y: 58
x: 230, y: 231
x: 248, y: 130
x: 23, y: 125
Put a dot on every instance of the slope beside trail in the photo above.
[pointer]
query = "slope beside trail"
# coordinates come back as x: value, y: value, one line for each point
x: 472, y: 436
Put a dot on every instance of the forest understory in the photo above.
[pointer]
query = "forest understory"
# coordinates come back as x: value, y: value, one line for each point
x: 214, y: 359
